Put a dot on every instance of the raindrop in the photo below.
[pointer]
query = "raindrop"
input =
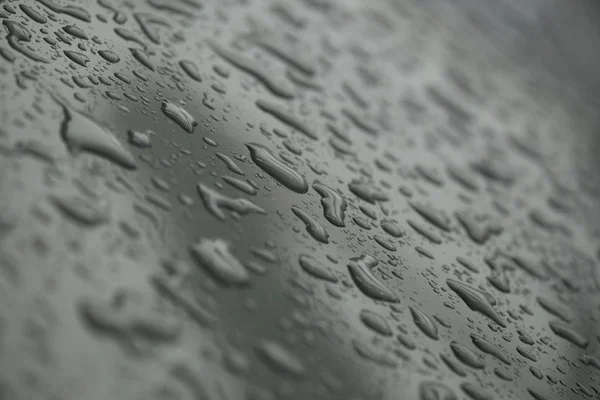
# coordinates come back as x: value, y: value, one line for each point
x: 282, y: 173
x: 425, y: 323
x: 375, y: 322
x: 316, y: 268
x: 466, y: 356
x: 215, y: 202
x: 314, y: 228
x: 334, y: 204
x: 281, y: 359
x: 475, y: 300
x: 180, y: 116
x: 360, y: 271
x: 215, y: 257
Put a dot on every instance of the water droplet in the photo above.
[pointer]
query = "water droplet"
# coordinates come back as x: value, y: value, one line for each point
x: 142, y: 57
x: 191, y: 70
x: 475, y: 300
x: 474, y: 392
x: 81, y: 133
x: 432, y: 216
x: 391, y: 228
x: 375, y: 322
x: 463, y: 177
x: 314, y: 228
x: 554, y: 309
x: 430, y: 390
x: 180, y: 116
x: 369, y: 353
x: 489, y: 348
x: 285, y: 117
x: 424, y: 323
x: 282, y: 173
x: 109, y: 56
x: 33, y: 14
x: 73, y: 11
x: 426, y: 233
x: 277, y: 86
x: 480, y: 228
x: 524, y: 337
x: 140, y: 139
x: 316, y: 268
x: 334, y: 204
x: 75, y: 31
x: 126, y: 315
x: 366, y: 192
x: 77, y: 57
x: 230, y: 164
x: 19, y: 34
x: 360, y: 271
x: 530, y: 266
x: 276, y: 47
x: 215, y: 257
x: 215, y: 202
x: 81, y: 209
x: 277, y: 356
x: 565, y: 332
x: 241, y: 185
x: 453, y: 365
x: 536, y: 372
x: 466, y: 356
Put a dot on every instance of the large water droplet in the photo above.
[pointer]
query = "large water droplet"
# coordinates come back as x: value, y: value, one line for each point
x: 215, y: 257
x: 430, y: 390
x: 375, y: 322
x: 360, y: 271
x: 489, y: 348
x: 466, y: 356
x: 281, y: 359
x: 475, y: 300
x: 316, y: 268
x: 424, y: 322
x: 215, y: 202
x: 314, y: 228
x: 334, y: 204
x: 180, y: 116
x: 281, y: 172
x: 81, y: 133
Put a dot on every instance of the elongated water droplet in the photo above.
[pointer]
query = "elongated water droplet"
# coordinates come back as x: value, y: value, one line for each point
x: 230, y: 164
x: 180, y: 116
x: 277, y: 86
x: 425, y: 324
x: 286, y: 117
x: 567, y: 333
x: 474, y: 392
x: 489, y: 348
x: 375, y: 322
x: 281, y: 172
x: 281, y: 359
x: 466, y: 356
x: 360, y: 271
x: 475, y: 300
x: 215, y: 257
x: 241, y: 185
x: 215, y: 202
x: 366, y: 192
x: 314, y: 228
x: 554, y: 308
x: 334, y: 204
x: 81, y: 209
x: 431, y: 390
x: 432, y: 215
x: 81, y: 133
x: 378, y: 357
x: 316, y: 268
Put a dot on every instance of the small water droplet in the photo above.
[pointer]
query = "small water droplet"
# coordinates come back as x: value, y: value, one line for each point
x: 180, y: 116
